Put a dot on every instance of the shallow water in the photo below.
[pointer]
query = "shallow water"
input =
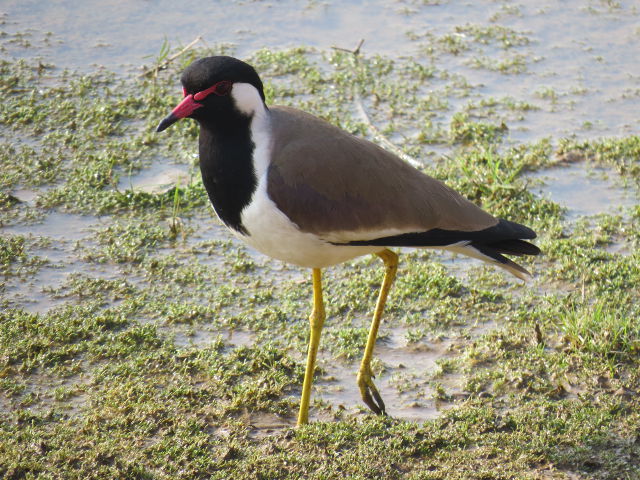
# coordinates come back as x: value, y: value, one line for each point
x: 157, y: 178
x: 58, y: 226
x: 585, y: 53
x: 130, y: 32
x: 585, y: 191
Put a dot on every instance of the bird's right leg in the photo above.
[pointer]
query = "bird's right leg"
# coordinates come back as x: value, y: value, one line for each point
x: 368, y: 390
x: 316, y: 321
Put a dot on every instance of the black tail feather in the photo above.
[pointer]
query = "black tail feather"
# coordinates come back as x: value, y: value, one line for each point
x: 504, y: 237
x: 511, y: 247
x: 488, y: 244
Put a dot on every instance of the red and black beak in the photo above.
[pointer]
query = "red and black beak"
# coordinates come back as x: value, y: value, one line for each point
x: 185, y: 108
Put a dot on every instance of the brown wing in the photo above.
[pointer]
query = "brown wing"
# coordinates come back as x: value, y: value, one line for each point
x: 332, y: 183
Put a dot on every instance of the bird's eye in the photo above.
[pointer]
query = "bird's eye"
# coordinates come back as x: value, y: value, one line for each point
x: 222, y: 88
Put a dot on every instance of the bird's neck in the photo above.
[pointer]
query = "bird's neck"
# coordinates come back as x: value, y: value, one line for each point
x: 226, y: 164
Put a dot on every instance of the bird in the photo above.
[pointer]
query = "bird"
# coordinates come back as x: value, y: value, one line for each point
x: 301, y: 190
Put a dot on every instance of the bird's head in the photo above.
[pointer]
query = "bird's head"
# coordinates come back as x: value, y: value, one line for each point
x: 216, y: 88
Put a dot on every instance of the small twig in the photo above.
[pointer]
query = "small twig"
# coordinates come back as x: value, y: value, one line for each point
x: 377, y: 134
x: 539, y: 336
x: 355, y: 52
x: 173, y: 57
x: 166, y: 63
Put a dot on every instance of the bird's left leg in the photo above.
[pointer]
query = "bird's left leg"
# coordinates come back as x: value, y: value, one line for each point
x: 368, y: 390
x: 316, y: 321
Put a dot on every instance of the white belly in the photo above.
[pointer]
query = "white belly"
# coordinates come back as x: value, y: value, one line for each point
x: 272, y: 233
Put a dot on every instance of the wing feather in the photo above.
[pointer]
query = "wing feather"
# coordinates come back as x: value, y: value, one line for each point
x: 345, y: 188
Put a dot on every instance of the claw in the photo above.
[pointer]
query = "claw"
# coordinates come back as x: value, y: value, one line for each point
x: 378, y: 400
x: 370, y: 395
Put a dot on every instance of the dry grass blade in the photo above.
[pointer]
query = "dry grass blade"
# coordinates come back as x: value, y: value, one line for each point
x: 164, y: 64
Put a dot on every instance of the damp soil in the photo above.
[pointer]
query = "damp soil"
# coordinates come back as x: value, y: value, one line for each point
x: 580, y: 75
x: 131, y: 320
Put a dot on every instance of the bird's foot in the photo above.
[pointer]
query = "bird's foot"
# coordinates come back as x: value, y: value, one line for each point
x: 369, y: 392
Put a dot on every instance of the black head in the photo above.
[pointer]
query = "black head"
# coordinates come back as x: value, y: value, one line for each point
x: 208, y: 90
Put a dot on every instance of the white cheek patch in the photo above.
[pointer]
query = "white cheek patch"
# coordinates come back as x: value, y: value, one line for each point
x: 246, y: 98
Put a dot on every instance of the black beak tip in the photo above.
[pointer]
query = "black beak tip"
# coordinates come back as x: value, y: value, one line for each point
x: 167, y: 122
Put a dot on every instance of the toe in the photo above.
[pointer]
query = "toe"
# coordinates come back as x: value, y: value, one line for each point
x: 369, y: 393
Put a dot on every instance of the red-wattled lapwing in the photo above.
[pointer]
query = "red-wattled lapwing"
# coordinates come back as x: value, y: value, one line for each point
x: 300, y: 190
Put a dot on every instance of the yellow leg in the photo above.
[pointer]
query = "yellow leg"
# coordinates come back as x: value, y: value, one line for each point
x: 317, y: 321
x: 368, y: 390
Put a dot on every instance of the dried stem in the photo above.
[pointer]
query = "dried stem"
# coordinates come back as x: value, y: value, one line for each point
x: 154, y: 71
x: 353, y: 52
x: 377, y: 134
